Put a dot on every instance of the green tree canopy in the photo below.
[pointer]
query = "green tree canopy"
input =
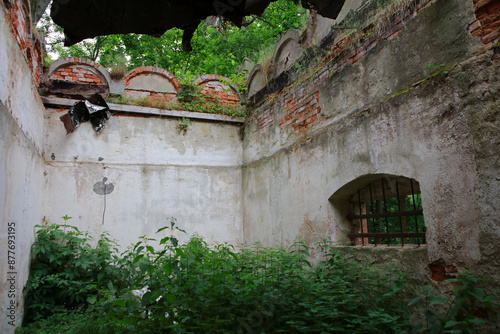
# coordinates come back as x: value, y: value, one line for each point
x: 218, y: 48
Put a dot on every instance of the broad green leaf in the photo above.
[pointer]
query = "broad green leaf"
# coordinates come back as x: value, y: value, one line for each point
x: 92, y: 299
x: 415, y: 301
x: 451, y: 323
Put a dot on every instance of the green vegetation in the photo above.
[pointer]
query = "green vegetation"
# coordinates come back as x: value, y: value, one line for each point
x: 182, y: 125
x: 198, y: 288
x: 217, y: 49
x: 411, y: 224
x: 199, y: 102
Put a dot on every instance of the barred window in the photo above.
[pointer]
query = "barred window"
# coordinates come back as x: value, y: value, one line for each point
x: 383, y: 210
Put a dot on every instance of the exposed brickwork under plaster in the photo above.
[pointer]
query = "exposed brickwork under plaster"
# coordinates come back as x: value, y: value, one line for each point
x: 441, y: 271
x: 265, y: 119
x: 300, y: 96
x: 18, y: 16
x: 487, y: 25
x: 77, y: 73
x: 302, y: 108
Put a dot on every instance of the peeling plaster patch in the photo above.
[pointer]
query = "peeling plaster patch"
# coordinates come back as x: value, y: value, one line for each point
x: 440, y: 271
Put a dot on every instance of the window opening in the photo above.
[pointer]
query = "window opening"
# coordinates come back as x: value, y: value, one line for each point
x: 390, y: 214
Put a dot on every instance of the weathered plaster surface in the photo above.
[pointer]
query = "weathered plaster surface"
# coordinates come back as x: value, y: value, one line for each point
x: 21, y: 166
x: 151, y: 82
x: 442, y: 132
x: 157, y: 173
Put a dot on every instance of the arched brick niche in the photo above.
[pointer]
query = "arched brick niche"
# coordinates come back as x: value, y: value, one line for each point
x: 149, y: 81
x: 256, y: 80
x: 221, y: 88
x: 380, y: 209
x: 287, y: 52
x: 70, y: 76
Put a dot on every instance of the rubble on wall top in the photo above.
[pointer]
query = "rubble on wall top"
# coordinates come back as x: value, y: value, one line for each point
x: 153, y: 90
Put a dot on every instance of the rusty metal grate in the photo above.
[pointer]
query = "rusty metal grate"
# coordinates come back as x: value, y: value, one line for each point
x: 394, y: 220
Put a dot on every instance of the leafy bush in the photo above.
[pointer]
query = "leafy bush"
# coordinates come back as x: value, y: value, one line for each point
x: 465, y: 312
x: 200, y: 288
x: 65, y: 269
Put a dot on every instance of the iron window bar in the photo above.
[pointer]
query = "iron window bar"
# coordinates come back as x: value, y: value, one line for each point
x: 373, y: 219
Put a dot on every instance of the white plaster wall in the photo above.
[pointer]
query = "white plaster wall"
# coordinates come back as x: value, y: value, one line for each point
x: 21, y: 167
x: 288, y: 193
x: 156, y: 171
x: 422, y: 132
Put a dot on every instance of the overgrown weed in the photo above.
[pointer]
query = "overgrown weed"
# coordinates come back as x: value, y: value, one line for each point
x: 195, y: 287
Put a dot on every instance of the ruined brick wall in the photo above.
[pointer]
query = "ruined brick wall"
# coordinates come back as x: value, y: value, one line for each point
x: 152, y: 85
x: 76, y: 76
x: 17, y: 13
x: 406, y: 95
x: 299, y: 97
x: 151, y: 82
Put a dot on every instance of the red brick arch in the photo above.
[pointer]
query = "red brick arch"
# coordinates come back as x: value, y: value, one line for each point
x: 212, y: 84
x: 79, y: 70
x: 151, y: 70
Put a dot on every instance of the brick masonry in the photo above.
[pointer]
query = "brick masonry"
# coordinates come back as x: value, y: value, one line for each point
x: 77, y: 74
x: 487, y: 25
x: 218, y: 88
x: 84, y: 71
x: 19, y: 17
x: 300, y: 100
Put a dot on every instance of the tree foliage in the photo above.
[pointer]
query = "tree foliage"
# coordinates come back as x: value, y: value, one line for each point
x: 217, y: 49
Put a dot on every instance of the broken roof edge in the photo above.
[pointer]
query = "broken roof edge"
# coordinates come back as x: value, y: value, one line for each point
x: 62, y: 102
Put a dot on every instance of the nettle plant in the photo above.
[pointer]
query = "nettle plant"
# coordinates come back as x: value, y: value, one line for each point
x: 65, y: 270
x: 163, y: 286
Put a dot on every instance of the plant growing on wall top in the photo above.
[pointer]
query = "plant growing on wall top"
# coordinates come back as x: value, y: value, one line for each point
x: 182, y: 125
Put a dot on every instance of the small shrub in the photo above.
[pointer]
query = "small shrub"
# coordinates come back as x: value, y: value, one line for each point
x: 65, y: 270
x: 118, y: 71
